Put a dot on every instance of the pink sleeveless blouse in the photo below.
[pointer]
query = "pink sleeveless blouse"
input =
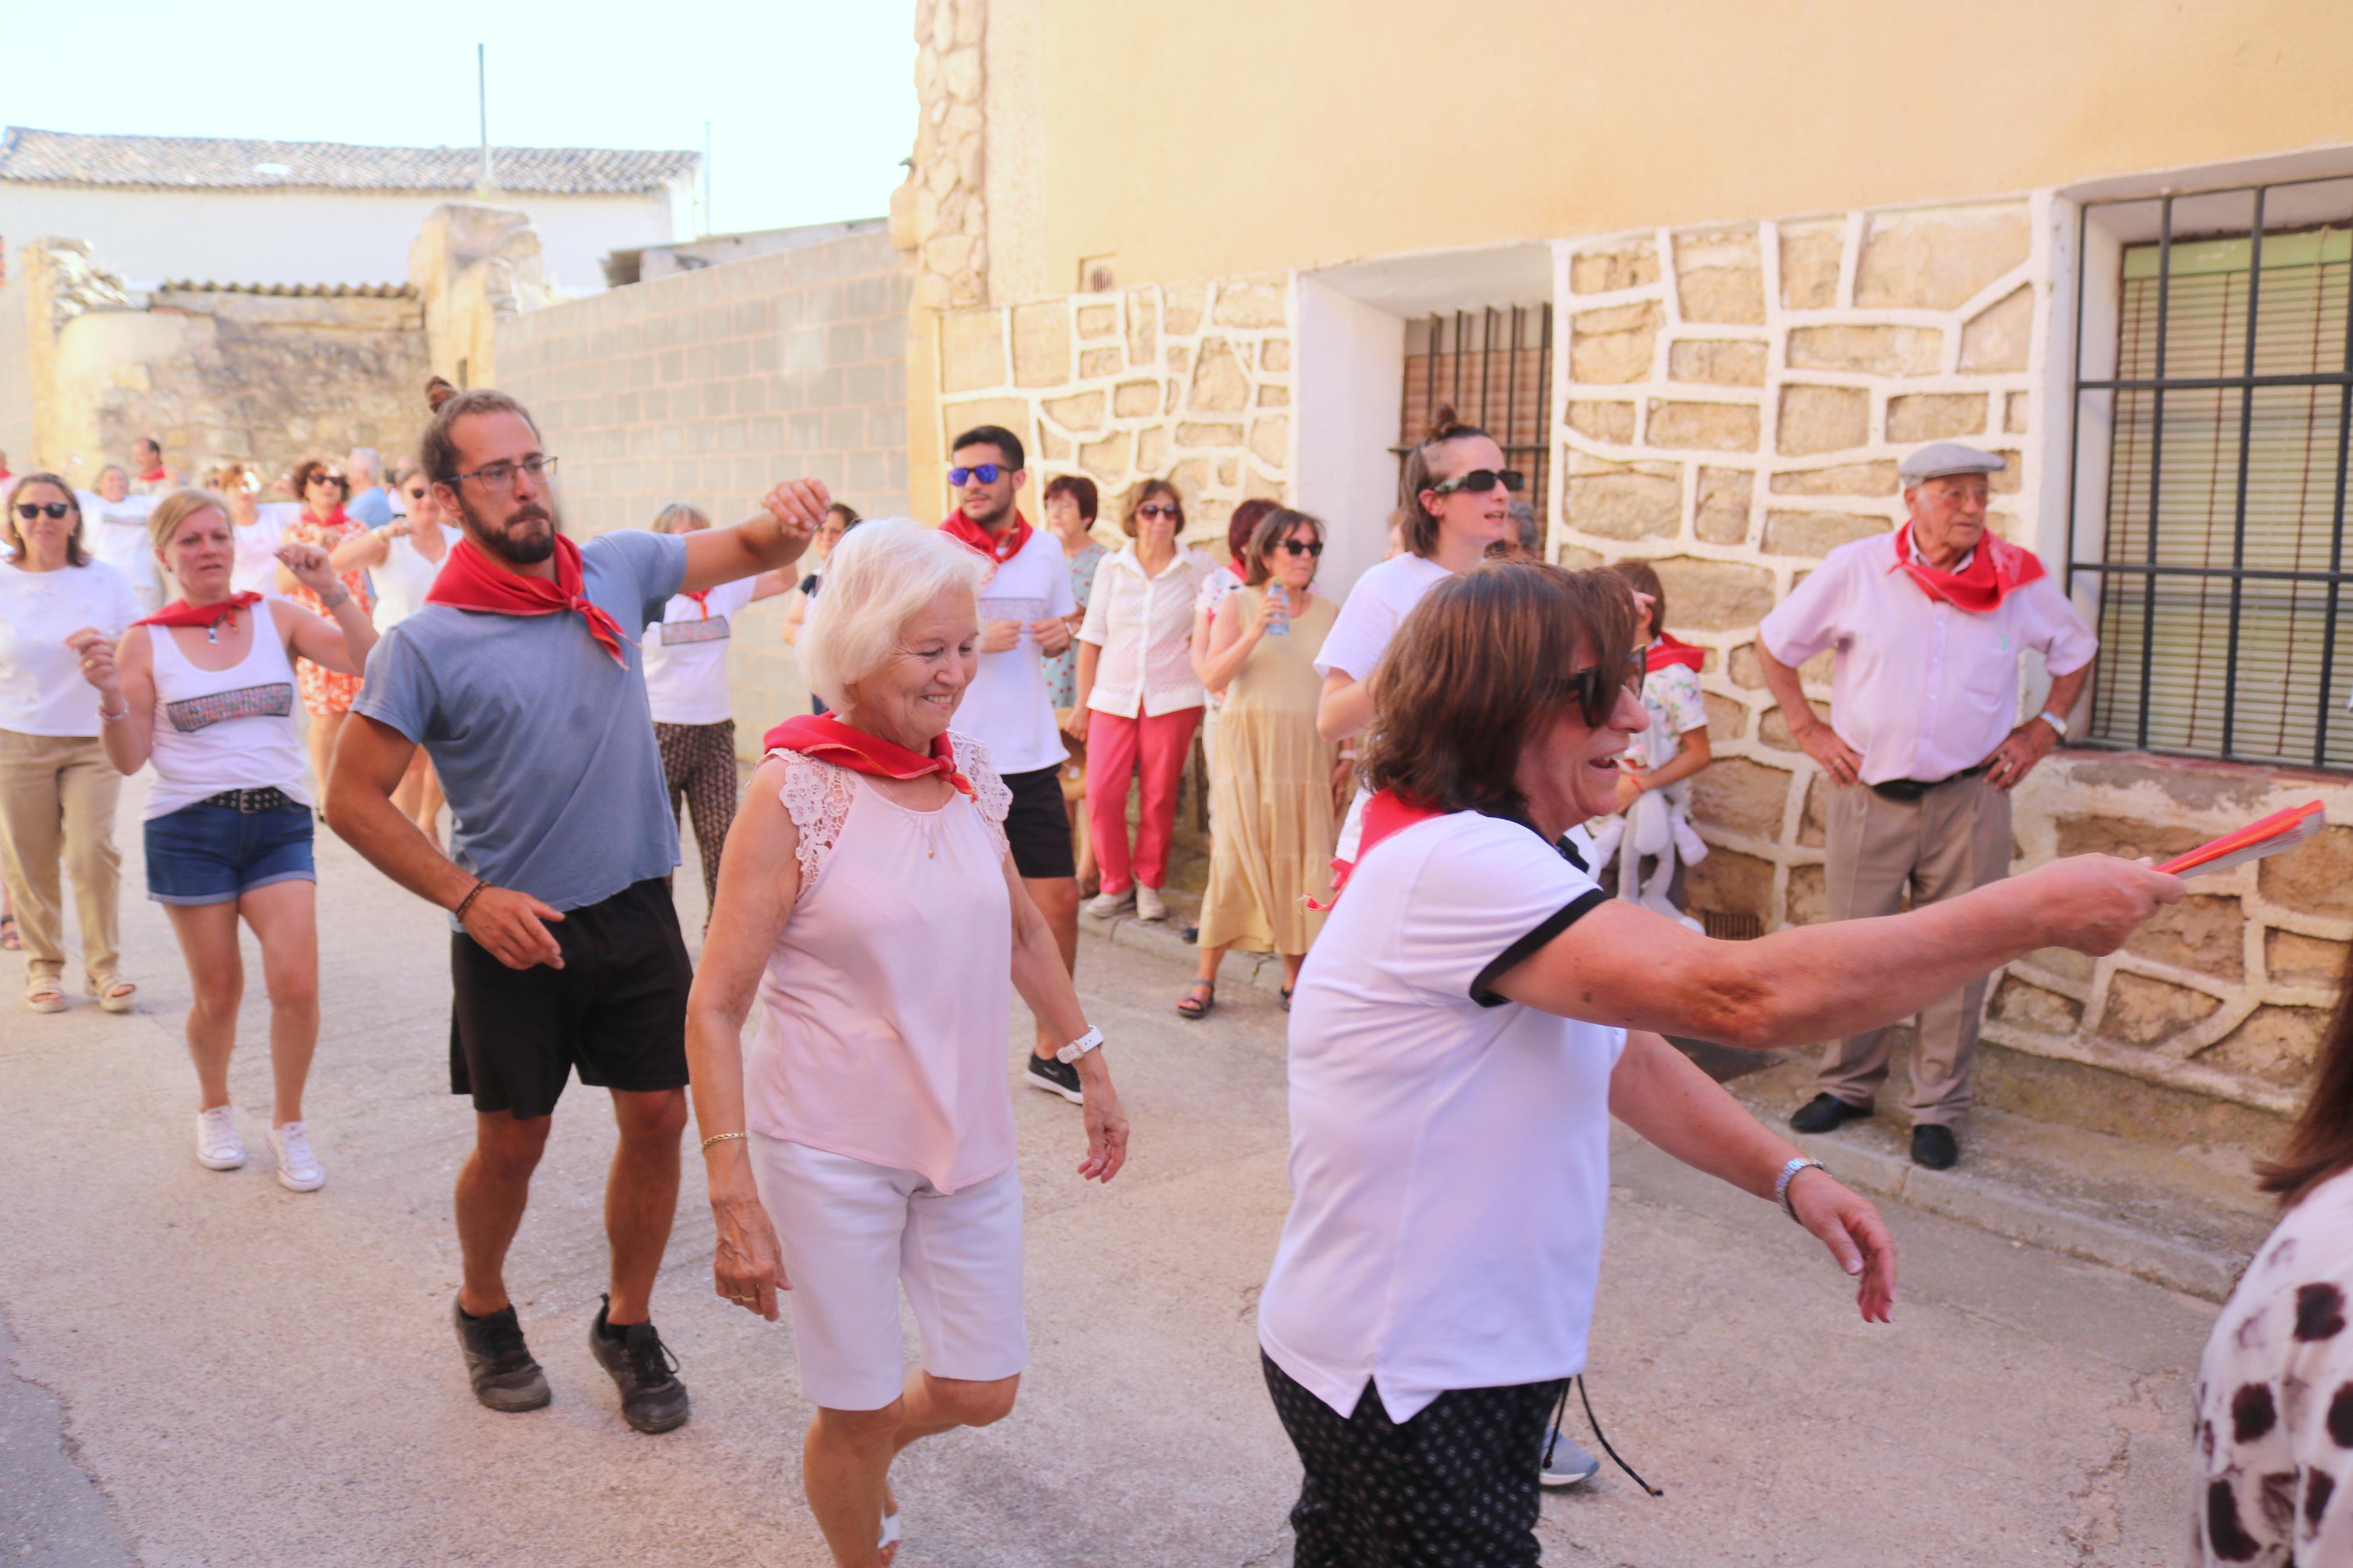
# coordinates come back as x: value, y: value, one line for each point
x: 882, y: 1030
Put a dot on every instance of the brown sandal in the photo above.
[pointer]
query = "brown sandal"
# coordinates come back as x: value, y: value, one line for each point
x: 1200, y: 1000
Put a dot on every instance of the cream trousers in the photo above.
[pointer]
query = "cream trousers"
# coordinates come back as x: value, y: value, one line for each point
x: 57, y: 803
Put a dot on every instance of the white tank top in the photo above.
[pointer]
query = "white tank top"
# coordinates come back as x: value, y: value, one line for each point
x: 224, y: 729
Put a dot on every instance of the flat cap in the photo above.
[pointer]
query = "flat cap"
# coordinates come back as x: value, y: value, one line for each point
x: 1938, y: 458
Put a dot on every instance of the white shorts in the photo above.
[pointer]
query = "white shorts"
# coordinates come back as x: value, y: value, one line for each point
x: 852, y: 1233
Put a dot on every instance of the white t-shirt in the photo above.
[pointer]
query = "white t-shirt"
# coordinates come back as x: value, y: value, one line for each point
x: 256, y: 571
x: 1376, y: 607
x: 116, y: 534
x: 1450, y: 1149
x: 41, y: 689
x: 406, y: 577
x: 1007, y: 708
x: 686, y: 654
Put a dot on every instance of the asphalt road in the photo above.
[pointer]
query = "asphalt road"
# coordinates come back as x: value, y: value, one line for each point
x: 203, y: 1368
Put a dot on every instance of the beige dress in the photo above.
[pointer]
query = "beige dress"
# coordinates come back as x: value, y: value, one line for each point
x: 1271, y: 777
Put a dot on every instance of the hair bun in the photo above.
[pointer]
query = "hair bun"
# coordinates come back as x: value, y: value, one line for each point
x: 437, y: 392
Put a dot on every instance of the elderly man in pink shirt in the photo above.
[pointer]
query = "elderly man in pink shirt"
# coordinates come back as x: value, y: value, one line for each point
x: 1923, y: 746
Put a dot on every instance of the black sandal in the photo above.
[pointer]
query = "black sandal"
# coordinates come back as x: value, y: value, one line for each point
x: 1197, y: 1007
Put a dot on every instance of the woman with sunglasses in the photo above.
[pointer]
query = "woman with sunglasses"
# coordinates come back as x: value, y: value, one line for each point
x: 58, y: 791
x: 1455, y: 497
x: 1270, y: 772
x: 355, y: 549
x: 1138, y: 699
x: 203, y: 690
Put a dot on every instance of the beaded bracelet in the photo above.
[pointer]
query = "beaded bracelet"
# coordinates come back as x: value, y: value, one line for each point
x: 467, y: 902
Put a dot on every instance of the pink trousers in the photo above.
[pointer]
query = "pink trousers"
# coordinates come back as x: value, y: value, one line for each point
x: 1117, y: 750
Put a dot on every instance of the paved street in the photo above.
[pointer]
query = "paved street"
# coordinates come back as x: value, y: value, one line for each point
x: 208, y: 1369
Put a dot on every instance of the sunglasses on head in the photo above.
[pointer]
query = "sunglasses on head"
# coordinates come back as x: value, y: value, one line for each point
x: 1479, y: 480
x: 1596, y: 690
x: 1300, y: 546
x: 29, y: 510
x: 984, y: 472
x: 1160, y: 509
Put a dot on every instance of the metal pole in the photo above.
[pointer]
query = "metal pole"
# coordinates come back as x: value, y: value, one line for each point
x: 482, y: 104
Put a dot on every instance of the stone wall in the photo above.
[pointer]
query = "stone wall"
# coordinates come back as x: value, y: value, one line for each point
x: 1190, y: 383
x: 942, y: 210
x: 709, y: 386
x: 1735, y: 401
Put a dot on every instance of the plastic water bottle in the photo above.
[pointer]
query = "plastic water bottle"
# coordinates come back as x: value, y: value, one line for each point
x: 1280, y: 625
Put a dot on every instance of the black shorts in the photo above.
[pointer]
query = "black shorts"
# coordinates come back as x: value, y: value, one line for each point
x: 1037, y: 828
x: 616, y: 1010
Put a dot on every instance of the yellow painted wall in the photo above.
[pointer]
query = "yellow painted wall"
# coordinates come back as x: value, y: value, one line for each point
x: 1233, y: 136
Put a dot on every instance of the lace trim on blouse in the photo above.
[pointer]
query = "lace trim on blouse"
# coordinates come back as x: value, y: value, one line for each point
x: 817, y: 796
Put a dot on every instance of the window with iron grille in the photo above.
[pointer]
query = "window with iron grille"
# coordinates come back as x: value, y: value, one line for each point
x: 1495, y: 365
x: 2223, y: 431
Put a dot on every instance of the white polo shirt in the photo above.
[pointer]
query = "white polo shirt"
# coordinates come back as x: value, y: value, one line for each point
x: 1922, y: 690
x: 1007, y: 708
x: 1450, y: 1149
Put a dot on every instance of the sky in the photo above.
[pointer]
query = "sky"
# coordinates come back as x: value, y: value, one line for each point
x: 811, y: 105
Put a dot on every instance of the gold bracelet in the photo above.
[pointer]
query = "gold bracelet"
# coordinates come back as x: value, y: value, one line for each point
x: 722, y: 1138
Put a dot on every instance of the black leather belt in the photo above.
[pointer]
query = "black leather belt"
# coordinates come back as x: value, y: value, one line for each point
x: 1912, y: 789
x: 251, y: 801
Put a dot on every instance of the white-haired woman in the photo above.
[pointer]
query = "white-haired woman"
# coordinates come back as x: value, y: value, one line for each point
x: 686, y: 682
x: 204, y: 688
x: 865, y: 1142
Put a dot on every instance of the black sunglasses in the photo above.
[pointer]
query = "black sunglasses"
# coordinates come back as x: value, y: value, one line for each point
x: 1160, y: 509
x: 29, y: 510
x: 984, y: 472
x: 1480, y: 480
x: 1597, y: 693
x: 337, y: 480
x: 1300, y: 546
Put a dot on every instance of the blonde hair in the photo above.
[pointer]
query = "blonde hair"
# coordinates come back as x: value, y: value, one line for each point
x: 178, y: 507
x: 877, y: 578
x: 694, y: 516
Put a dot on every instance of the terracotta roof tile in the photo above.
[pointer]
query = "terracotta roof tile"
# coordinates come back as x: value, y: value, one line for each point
x: 201, y: 163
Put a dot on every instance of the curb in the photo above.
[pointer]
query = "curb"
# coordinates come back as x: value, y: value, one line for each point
x: 1999, y: 1208
x: 2012, y: 1212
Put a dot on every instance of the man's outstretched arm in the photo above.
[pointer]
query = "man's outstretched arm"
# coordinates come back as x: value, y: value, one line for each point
x: 775, y: 536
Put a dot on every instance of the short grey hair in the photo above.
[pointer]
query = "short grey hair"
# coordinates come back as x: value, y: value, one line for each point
x: 686, y: 512
x: 877, y: 578
x: 368, y: 458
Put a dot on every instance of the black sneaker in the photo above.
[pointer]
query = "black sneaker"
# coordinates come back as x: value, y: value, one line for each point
x: 499, y: 1364
x: 1055, y: 1075
x: 652, y: 1399
x: 1826, y: 1113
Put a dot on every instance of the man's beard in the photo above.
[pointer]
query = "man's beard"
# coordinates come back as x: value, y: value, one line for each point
x: 986, y: 518
x: 528, y: 550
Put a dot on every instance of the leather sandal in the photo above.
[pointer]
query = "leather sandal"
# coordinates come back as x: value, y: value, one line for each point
x: 113, y: 993
x: 45, y: 994
x: 1200, y: 1000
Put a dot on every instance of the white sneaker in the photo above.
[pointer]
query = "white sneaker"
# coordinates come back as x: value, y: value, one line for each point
x: 1148, y: 904
x: 217, y: 1146
x: 298, y: 1168
x: 1102, y: 906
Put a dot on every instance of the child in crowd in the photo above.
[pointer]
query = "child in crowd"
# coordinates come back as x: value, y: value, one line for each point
x: 1653, y: 821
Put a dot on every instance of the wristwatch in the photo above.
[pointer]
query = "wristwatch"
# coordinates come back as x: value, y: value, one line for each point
x: 1790, y: 1173
x: 1080, y: 1047
x: 2058, y: 725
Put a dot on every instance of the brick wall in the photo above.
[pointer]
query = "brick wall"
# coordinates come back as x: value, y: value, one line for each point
x: 709, y: 386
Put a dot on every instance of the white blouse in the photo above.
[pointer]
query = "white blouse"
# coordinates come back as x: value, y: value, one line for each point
x: 1143, y: 625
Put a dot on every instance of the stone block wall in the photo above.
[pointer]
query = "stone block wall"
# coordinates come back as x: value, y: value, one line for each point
x: 709, y: 386
x: 1190, y: 383
x: 1735, y: 401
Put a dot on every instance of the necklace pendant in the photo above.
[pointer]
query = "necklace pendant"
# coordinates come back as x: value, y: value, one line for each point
x: 212, y: 633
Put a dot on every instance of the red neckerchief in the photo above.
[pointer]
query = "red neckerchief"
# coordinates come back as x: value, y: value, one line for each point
x: 828, y: 740
x: 998, y: 548
x: 1669, y: 650
x: 1386, y: 813
x: 180, y: 613
x: 156, y: 478
x: 702, y: 599
x: 334, y: 520
x: 1999, y: 569
x: 469, y: 580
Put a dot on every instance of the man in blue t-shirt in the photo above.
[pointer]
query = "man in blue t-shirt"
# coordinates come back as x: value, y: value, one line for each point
x: 522, y: 679
x: 372, y: 501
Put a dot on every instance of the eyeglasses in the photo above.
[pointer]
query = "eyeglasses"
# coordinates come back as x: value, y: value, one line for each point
x: 1597, y: 693
x: 500, y: 477
x: 984, y: 472
x: 1300, y: 546
x: 1160, y: 509
x: 29, y: 510
x: 1480, y: 480
x: 337, y: 480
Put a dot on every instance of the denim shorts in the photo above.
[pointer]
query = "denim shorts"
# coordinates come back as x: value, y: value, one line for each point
x: 210, y: 854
